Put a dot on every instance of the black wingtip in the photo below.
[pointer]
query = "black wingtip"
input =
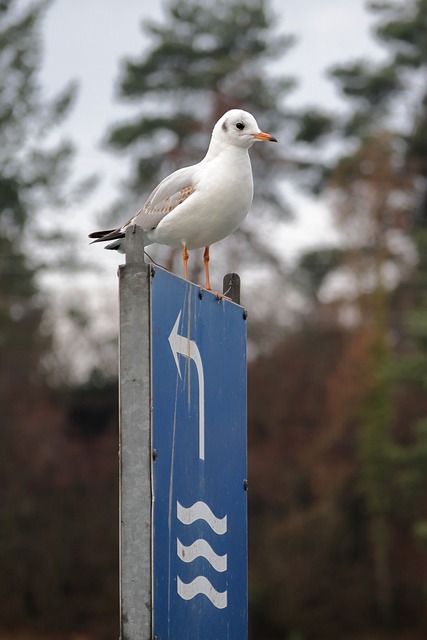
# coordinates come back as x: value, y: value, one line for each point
x: 103, y: 236
x: 100, y: 234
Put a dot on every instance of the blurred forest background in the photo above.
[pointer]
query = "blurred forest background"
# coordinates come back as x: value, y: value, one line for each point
x: 338, y: 340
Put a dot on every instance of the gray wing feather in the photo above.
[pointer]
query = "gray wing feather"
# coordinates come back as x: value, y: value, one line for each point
x: 164, y: 198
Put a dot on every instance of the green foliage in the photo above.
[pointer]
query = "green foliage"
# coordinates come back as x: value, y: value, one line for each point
x: 367, y: 83
x: 388, y: 94
x: 41, y: 489
x: 34, y: 177
x: 35, y: 162
x: 377, y: 187
x: 404, y: 28
x: 211, y: 45
x: 26, y: 161
x: 313, y: 125
x: 409, y: 463
x: 420, y: 532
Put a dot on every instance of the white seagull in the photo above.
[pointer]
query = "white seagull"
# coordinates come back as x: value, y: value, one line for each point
x: 201, y: 204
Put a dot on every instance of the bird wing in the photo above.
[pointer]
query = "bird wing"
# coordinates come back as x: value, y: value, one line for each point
x: 170, y: 193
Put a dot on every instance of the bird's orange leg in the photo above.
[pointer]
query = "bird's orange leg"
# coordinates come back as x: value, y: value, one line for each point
x: 206, y: 258
x: 185, y: 260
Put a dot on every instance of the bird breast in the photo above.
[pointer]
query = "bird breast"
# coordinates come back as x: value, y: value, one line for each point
x: 222, y: 198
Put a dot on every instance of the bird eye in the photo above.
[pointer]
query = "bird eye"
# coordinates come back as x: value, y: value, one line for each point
x: 240, y: 126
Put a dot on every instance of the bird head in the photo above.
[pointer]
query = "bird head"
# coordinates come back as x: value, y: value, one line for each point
x: 239, y: 128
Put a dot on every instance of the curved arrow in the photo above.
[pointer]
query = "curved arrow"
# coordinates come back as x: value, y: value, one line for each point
x: 189, y: 349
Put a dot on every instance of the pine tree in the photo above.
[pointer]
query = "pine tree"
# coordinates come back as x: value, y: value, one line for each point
x: 34, y: 171
x: 33, y: 174
x: 379, y: 186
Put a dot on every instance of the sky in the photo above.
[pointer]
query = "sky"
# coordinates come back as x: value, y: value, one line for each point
x: 86, y: 40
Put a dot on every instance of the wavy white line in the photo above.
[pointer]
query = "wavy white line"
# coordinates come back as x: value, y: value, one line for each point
x: 201, y: 511
x: 201, y: 585
x: 201, y: 548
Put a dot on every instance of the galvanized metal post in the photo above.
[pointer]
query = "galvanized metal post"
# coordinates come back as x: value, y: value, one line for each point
x: 135, y: 443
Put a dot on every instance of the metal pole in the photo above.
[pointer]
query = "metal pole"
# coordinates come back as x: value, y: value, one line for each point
x: 135, y: 442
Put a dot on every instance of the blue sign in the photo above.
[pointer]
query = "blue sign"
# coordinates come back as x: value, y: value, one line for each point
x: 199, y: 469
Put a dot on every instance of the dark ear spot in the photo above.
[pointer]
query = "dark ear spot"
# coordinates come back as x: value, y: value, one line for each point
x: 224, y: 125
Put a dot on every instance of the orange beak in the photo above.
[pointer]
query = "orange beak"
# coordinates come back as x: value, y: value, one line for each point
x: 264, y: 136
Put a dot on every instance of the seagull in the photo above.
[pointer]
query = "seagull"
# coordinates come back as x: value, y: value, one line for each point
x: 196, y: 206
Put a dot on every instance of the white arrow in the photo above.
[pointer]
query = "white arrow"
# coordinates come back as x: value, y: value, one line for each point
x: 189, y: 349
